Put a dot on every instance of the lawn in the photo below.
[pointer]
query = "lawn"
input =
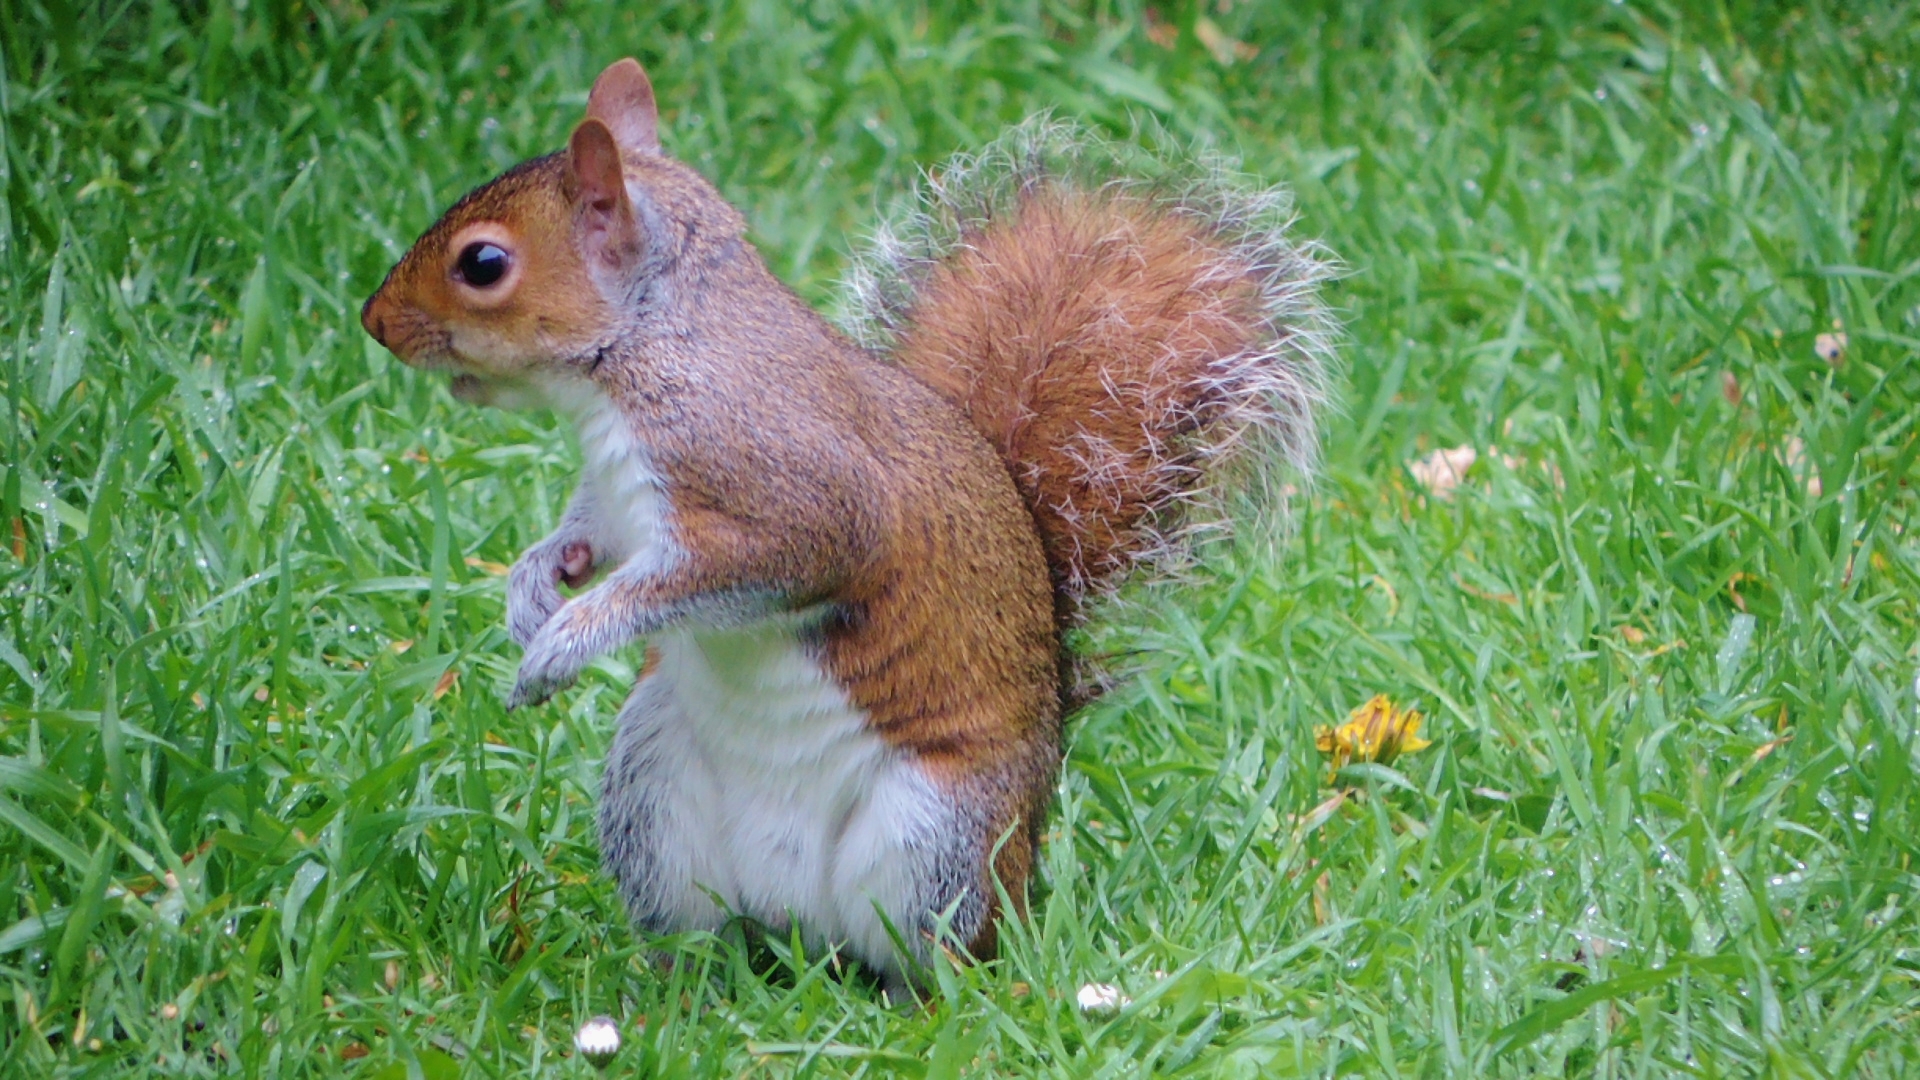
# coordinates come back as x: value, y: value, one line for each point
x: 262, y: 812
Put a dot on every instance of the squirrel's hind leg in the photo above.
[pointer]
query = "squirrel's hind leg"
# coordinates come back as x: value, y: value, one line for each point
x: 656, y: 817
x: 921, y: 866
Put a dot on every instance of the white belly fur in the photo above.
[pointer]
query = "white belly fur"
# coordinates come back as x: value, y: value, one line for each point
x: 759, y: 782
x: 629, y: 494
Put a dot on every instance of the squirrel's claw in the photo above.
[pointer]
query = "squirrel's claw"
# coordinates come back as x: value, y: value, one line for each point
x: 529, y: 692
x: 544, y: 670
x: 539, y: 678
x: 557, y: 652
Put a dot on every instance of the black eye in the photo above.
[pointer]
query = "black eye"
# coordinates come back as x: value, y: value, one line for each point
x: 483, y: 264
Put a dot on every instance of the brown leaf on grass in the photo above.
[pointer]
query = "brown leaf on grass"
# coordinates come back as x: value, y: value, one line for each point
x: 1769, y: 747
x: 1160, y: 31
x: 1733, y: 589
x: 447, y: 680
x: 1633, y: 635
x: 1730, y: 388
x: 1759, y: 754
x: 1393, y: 598
x: 491, y: 569
x: 1496, y: 597
x: 1225, y: 49
x: 1319, y: 815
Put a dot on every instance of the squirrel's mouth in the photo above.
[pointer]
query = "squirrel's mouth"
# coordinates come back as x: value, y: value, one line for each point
x: 471, y: 389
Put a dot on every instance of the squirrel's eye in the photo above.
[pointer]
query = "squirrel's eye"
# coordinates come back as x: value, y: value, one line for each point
x: 482, y: 264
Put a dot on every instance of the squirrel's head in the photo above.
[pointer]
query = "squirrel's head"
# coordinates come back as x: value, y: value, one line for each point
x: 529, y: 273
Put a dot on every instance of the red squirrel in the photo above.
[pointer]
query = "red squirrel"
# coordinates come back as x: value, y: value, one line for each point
x: 854, y: 562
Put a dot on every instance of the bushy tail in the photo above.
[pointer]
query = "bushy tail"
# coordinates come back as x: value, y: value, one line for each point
x: 1134, y: 339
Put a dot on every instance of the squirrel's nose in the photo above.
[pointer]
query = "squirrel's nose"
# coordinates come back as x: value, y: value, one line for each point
x: 374, y: 319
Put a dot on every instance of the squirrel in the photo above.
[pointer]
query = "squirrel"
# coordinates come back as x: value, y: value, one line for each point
x: 855, y: 556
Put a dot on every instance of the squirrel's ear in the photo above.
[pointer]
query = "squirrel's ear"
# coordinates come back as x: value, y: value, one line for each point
x: 598, y: 186
x: 622, y: 99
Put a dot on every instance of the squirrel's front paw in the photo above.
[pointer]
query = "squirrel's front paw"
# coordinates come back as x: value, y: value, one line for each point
x: 531, y: 599
x: 531, y: 596
x: 555, y: 655
x: 529, y: 689
x: 538, y: 679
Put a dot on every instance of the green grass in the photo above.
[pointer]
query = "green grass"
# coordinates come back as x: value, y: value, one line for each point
x: 261, y: 811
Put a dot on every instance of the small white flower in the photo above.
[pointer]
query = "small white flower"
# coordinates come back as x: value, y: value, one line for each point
x: 598, y: 1040
x: 1102, y: 999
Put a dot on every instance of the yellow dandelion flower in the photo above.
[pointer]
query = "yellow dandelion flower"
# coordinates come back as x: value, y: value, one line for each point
x: 1376, y: 731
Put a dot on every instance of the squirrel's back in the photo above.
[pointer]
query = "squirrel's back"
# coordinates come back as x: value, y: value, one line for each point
x: 1133, y: 349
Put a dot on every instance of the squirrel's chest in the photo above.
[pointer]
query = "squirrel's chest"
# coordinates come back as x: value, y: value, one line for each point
x: 629, y: 496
